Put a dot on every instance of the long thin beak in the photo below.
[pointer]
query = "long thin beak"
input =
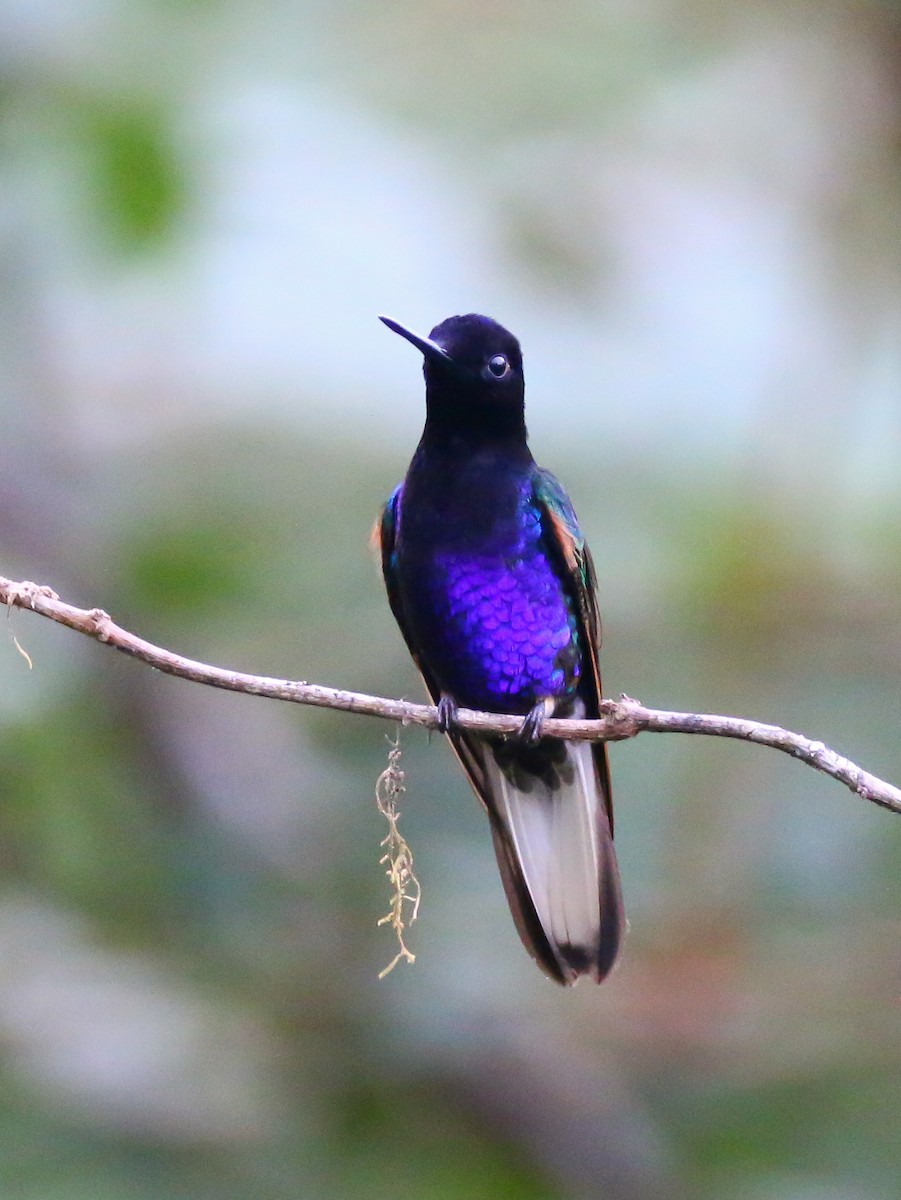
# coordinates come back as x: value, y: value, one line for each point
x: 430, y: 349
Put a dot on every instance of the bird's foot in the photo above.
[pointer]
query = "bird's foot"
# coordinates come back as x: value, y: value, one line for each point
x: 529, y: 732
x: 447, y: 713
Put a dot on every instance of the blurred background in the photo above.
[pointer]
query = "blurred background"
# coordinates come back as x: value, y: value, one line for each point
x: 689, y: 213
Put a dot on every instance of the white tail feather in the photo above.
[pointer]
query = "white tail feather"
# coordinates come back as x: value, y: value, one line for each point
x: 555, y: 833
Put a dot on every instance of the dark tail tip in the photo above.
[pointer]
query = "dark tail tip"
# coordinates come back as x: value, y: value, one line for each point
x: 613, y: 923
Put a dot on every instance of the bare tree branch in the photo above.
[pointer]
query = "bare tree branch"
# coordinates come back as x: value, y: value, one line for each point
x: 624, y: 718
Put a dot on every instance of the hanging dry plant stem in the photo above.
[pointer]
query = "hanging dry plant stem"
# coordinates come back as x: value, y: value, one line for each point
x: 398, y: 858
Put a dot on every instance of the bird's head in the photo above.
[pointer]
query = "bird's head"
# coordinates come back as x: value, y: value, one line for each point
x: 473, y: 372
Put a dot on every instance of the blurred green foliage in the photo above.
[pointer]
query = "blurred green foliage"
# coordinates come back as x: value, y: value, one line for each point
x: 138, y: 187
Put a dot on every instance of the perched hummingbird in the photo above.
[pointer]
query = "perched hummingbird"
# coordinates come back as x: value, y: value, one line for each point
x: 493, y: 588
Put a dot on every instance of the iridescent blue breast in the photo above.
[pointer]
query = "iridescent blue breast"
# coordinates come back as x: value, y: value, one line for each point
x: 502, y: 632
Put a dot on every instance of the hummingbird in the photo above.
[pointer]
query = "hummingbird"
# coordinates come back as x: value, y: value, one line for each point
x: 494, y: 589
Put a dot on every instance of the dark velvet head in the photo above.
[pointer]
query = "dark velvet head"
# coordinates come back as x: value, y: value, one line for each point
x: 473, y: 373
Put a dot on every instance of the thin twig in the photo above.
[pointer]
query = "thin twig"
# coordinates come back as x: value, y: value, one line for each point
x: 624, y: 718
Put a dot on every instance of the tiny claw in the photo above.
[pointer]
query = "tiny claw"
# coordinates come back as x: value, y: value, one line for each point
x: 529, y: 733
x: 447, y: 713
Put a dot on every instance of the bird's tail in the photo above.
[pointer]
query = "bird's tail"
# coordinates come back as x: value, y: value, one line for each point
x: 550, y: 818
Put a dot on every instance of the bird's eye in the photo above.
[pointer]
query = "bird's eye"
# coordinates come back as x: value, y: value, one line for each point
x: 498, y: 366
